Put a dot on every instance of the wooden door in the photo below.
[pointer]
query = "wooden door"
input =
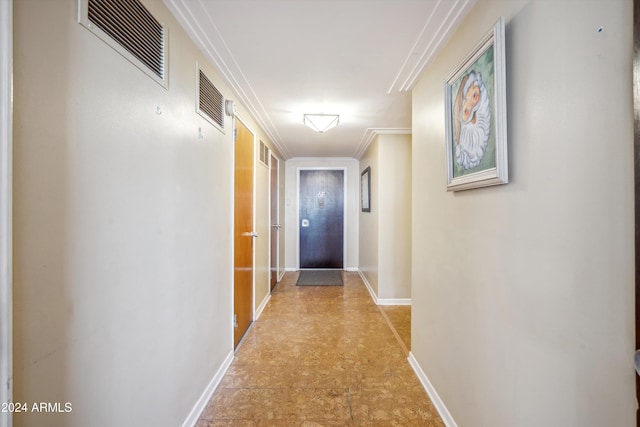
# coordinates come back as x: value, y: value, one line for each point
x: 321, y: 213
x: 275, y: 221
x: 243, y: 231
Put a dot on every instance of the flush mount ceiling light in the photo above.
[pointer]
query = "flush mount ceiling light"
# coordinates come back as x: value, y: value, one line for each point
x: 321, y: 122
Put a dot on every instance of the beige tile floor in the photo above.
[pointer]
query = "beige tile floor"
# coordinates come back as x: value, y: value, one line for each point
x: 320, y: 356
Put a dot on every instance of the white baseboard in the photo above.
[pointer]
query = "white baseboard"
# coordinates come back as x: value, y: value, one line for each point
x: 290, y: 269
x: 382, y: 301
x: 192, y: 419
x: 394, y: 301
x: 374, y: 297
x: 431, y: 391
x: 261, y: 307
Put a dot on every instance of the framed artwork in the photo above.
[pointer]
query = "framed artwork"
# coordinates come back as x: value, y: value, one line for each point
x: 365, y: 190
x: 476, y: 117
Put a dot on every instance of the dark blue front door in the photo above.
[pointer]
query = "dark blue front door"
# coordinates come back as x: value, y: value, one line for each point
x: 321, y: 218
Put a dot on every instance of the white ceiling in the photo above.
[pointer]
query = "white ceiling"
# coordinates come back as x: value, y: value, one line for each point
x: 355, y: 58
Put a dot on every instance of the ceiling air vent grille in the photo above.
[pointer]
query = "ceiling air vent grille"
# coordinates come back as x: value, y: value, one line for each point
x: 210, y: 100
x: 132, y: 27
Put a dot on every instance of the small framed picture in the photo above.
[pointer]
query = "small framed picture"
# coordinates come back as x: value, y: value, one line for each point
x: 365, y: 190
x: 476, y: 119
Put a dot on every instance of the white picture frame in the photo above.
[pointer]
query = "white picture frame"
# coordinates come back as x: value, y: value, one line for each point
x: 476, y: 117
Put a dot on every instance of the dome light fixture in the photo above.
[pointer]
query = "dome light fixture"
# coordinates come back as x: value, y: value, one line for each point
x: 321, y: 122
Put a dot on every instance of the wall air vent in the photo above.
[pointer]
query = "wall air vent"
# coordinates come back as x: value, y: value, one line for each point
x: 129, y: 28
x: 210, y: 103
x: 264, y: 154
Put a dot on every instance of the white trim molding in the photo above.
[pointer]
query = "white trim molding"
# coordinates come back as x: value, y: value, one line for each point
x: 434, y: 35
x: 367, y: 285
x: 371, y: 133
x: 6, y: 143
x: 261, y: 307
x: 217, y: 52
x: 394, y: 301
x: 382, y: 301
x: 431, y: 391
x: 197, y: 409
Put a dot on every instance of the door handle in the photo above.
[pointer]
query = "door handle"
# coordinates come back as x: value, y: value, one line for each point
x: 276, y: 226
x: 251, y: 234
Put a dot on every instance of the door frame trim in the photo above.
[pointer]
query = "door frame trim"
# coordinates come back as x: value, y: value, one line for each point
x: 6, y: 198
x: 279, y: 273
x: 344, y: 210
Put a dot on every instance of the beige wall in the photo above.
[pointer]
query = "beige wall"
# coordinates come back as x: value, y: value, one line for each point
x: 122, y: 227
x: 369, y: 221
x: 394, y: 186
x: 352, y: 207
x: 385, y: 232
x: 523, y: 294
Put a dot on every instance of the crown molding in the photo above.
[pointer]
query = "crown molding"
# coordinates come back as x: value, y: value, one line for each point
x: 322, y: 159
x: 371, y: 133
x: 434, y: 35
x: 217, y: 51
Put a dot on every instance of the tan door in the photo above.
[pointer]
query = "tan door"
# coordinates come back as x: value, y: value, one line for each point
x: 243, y: 232
x: 275, y: 222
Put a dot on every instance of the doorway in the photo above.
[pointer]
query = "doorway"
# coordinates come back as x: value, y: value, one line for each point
x: 244, y: 234
x: 275, y: 221
x: 321, y: 218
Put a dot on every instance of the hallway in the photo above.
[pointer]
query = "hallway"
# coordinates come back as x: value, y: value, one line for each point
x: 320, y: 356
